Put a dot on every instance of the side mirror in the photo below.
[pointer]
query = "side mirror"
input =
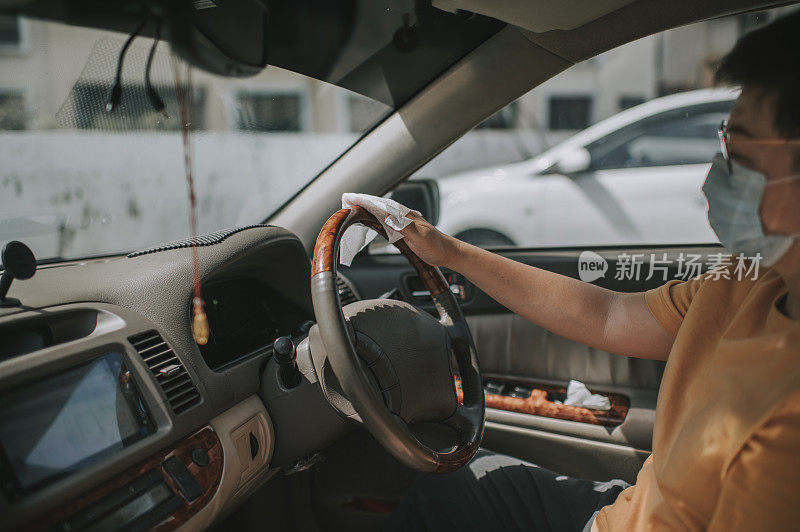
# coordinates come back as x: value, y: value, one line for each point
x: 421, y: 195
x: 573, y: 162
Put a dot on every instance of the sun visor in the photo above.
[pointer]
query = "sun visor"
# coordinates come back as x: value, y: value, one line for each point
x: 537, y: 15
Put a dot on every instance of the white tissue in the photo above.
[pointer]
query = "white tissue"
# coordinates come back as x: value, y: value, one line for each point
x: 579, y: 395
x: 392, y: 216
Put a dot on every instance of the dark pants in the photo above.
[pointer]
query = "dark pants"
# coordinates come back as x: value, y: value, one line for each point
x: 498, y: 492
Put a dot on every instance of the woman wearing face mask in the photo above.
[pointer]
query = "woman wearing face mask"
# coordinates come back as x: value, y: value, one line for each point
x: 726, y: 441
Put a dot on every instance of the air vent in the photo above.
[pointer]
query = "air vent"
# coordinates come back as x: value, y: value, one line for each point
x: 170, y: 374
x: 347, y: 294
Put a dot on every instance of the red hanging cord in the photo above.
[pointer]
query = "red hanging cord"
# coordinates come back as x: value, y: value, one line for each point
x: 200, y: 330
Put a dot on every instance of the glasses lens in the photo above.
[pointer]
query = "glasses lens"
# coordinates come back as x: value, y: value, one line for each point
x: 723, y: 142
x: 723, y: 139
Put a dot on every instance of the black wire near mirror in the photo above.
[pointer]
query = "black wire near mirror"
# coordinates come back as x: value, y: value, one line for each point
x: 225, y: 37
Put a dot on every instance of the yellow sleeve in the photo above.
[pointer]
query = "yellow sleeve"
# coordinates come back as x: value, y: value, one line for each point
x: 669, y: 302
x: 760, y: 486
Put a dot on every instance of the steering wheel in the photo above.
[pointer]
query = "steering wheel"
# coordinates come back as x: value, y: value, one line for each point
x: 392, y: 361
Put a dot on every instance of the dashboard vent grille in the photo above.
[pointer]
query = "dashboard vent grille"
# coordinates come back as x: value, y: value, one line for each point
x: 168, y: 371
x: 346, y: 293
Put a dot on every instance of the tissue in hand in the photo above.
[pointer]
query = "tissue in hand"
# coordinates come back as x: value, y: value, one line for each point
x: 579, y: 395
x: 392, y: 216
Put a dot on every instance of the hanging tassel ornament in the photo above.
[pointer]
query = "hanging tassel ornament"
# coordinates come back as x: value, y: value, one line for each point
x: 200, y: 329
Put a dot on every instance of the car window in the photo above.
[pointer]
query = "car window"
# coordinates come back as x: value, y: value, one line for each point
x: 685, y: 136
x: 612, y: 151
x: 78, y: 180
x: 90, y: 120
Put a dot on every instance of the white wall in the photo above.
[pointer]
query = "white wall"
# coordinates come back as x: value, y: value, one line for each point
x: 117, y: 192
x: 122, y: 192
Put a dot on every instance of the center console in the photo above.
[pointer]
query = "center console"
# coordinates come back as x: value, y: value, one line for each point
x: 58, y: 425
x: 160, y: 493
x: 95, y: 408
x: 61, y: 424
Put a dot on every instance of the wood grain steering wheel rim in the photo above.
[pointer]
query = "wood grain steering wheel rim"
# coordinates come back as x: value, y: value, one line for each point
x: 469, y: 416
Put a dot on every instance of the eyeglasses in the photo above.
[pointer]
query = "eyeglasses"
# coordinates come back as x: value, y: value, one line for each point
x: 725, y: 138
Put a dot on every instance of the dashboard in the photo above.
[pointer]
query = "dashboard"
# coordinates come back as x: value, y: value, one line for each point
x: 110, y: 413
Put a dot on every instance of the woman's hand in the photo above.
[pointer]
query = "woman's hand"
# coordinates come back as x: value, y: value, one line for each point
x: 430, y: 244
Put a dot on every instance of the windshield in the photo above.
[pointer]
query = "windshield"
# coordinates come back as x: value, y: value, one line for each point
x: 77, y: 180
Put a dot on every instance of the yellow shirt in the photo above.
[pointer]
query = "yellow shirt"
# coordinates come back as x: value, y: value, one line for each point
x: 726, y: 440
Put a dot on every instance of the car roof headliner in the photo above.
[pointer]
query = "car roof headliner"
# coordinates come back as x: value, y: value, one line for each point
x: 537, y: 15
x: 349, y: 42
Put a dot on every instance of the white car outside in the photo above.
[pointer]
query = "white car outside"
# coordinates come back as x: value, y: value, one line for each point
x: 634, y: 178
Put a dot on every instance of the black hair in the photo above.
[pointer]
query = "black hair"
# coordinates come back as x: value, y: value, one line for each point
x: 769, y: 59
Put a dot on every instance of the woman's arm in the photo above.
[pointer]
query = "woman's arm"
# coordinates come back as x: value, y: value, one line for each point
x: 616, y: 322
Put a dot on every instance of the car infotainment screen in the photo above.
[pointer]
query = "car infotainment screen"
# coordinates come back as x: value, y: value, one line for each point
x: 67, y: 421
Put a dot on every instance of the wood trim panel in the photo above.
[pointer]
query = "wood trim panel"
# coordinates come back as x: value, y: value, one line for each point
x: 208, y: 477
x: 538, y: 404
x: 326, y: 249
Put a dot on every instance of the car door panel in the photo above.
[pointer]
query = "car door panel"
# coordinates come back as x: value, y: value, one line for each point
x: 581, y: 209
x: 617, y: 207
x: 465, y: 200
x: 511, y: 347
x: 677, y: 214
x: 566, y: 454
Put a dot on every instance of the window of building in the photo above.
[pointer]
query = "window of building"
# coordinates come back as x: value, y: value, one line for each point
x: 505, y: 118
x: 10, y: 31
x: 270, y: 112
x: 627, y: 101
x: 570, y: 112
x: 13, y: 115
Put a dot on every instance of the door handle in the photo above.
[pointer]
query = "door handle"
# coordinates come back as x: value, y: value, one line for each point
x: 459, y: 290
x: 459, y: 286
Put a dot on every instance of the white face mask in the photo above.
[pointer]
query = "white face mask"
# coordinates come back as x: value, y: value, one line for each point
x: 734, y: 200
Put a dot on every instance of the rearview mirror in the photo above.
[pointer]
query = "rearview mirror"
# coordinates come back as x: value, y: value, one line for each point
x: 573, y: 161
x: 227, y: 38
x: 421, y: 195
